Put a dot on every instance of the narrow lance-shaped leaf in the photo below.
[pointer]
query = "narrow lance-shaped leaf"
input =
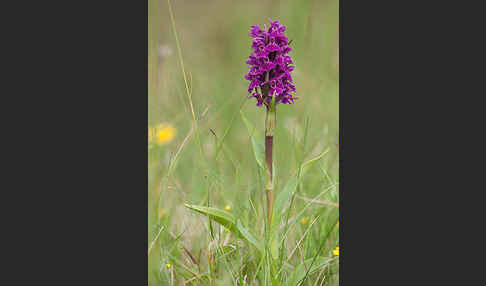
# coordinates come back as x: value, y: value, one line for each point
x: 224, y: 218
x: 227, y: 220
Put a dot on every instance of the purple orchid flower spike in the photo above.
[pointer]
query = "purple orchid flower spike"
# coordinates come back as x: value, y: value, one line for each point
x: 270, y: 66
x: 271, y: 84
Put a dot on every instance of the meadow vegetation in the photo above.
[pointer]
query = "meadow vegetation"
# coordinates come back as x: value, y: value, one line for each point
x: 203, y: 148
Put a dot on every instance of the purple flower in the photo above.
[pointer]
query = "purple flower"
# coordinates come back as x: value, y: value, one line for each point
x: 270, y: 66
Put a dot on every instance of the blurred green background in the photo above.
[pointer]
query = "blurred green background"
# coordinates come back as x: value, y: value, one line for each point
x: 215, y: 45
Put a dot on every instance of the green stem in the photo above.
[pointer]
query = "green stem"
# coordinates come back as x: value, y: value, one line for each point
x: 270, y: 123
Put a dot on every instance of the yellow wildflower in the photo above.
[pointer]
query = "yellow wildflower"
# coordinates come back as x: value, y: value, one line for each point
x: 228, y: 207
x: 163, y: 133
x: 168, y: 265
x: 304, y: 220
x: 227, y: 230
x: 336, y: 251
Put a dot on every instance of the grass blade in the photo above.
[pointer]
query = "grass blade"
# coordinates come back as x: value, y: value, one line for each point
x: 303, y: 269
x: 256, y: 142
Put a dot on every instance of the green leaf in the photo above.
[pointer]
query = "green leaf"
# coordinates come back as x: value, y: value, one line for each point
x: 299, y: 272
x: 224, y: 218
x: 227, y: 220
x: 245, y: 234
x: 256, y: 142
